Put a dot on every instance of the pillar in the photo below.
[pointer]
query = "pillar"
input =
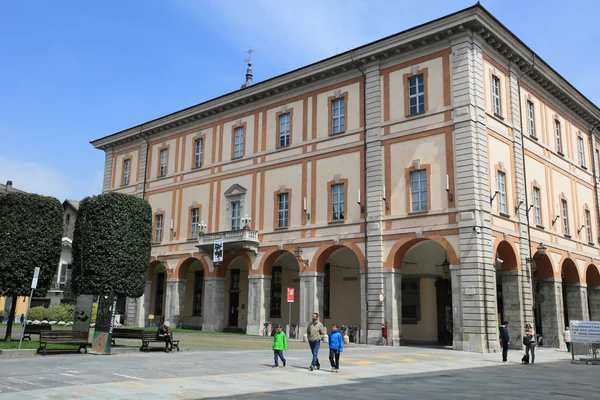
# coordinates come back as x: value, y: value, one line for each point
x: 175, y: 301
x: 577, y: 307
x: 214, y: 303
x: 131, y: 306
x: 594, y: 303
x: 141, y: 318
x: 552, y: 315
x: 311, y: 298
x: 259, y: 298
x: 393, y: 305
x: 513, y: 307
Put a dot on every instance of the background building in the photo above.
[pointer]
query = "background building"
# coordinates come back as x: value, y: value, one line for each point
x: 427, y: 167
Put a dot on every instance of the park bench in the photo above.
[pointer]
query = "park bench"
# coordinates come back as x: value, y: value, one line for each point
x: 149, y: 337
x: 124, y: 333
x: 64, y: 337
x: 35, y: 330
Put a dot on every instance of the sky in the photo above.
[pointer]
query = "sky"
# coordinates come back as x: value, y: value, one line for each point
x: 73, y: 71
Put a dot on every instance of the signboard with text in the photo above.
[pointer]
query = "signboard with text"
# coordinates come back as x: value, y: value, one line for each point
x: 290, y: 295
x: 218, y: 251
x: 585, y: 331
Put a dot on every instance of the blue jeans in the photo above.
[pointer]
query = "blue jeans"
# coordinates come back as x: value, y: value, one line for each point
x: 314, y: 348
x: 504, y: 351
x: 277, y: 354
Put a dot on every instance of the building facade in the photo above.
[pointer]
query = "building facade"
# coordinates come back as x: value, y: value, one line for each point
x: 418, y: 175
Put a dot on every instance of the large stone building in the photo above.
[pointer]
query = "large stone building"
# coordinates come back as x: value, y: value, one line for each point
x: 429, y: 167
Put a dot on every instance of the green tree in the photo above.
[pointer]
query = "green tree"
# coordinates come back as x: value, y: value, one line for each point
x: 31, y: 229
x: 111, y: 245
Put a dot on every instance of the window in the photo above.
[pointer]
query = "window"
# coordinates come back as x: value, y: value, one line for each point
x: 501, y: 188
x: 565, y: 217
x: 558, y: 136
x: 163, y: 162
x: 418, y: 190
x: 283, y: 210
x: 198, y: 284
x: 276, y: 288
x: 126, y: 171
x: 496, y: 94
x: 284, y: 130
x: 537, y: 206
x: 194, y: 217
x: 416, y: 94
x: 158, y: 228
x: 198, y: 153
x: 337, y: 202
x: 588, y: 226
x: 160, y: 292
x: 338, y: 116
x: 327, y: 292
x: 581, y: 151
x: 238, y: 144
x: 235, y: 215
x: 531, y: 118
x: 64, y: 273
x: 411, y: 304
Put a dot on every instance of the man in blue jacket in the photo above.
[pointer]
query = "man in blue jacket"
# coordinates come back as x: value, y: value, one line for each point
x: 504, y: 340
x: 336, y: 346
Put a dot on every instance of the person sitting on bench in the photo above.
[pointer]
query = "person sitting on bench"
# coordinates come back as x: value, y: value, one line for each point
x: 164, y: 334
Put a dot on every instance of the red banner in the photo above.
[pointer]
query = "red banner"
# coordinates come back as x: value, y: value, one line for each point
x: 290, y: 295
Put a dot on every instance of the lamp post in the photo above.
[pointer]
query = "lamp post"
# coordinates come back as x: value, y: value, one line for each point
x: 541, y: 251
x: 298, y: 253
x: 445, y: 266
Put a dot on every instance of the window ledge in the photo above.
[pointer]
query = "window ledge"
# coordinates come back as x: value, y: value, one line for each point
x: 541, y: 227
x: 283, y: 147
x: 337, y: 133
x: 567, y: 236
x: 199, y: 167
x: 342, y: 221
x: 504, y: 215
x: 282, y: 228
x: 500, y: 117
x: 237, y: 158
x: 416, y: 114
x: 418, y: 212
x: 583, y: 167
x: 534, y: 137
x: 192, y: 238
x: 156, y: 243
x: 591, y: 244
x: 560, y: 154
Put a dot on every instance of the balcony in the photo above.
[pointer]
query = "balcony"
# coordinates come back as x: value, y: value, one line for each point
x: 57, y: 287
x: 245, y: 239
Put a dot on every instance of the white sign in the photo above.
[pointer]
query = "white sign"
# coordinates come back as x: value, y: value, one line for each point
x: 36, y: 274
x: 381, y: 297
x: 585, y: 331
x: 218, y: 251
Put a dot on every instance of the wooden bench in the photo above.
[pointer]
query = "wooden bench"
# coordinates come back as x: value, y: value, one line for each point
x: 35, y: 330
x: 149, y: 337
x: 123, y: 333
x: 65, y: 337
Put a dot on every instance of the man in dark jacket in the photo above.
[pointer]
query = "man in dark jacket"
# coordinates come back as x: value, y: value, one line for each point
x: 504, y: 340
x: 164, y: 334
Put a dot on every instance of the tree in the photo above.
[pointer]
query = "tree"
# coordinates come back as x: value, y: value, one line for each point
x: 31, y: 229
x: 111, y: 245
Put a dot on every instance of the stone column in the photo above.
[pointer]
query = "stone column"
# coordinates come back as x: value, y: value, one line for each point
x: 311, y: 298
x: 458, y: 342
x: 259, y: 298
x: 513, y: 306
x: 393, y: 305
x: 552, y: 314
x: 214, y: 302
x: 143, y: 308
x: 577, y: 305
x: 131, y: 306
x: 175, y: 302
x: 594, y: 302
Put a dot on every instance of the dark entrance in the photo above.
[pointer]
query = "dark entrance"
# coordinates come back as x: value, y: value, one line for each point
x: 444, y: 311
x: 234, y: 296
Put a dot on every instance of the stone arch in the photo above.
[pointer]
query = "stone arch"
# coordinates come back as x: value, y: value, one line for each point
x: 229, y: 258
x: 592, y: 276
x: 545, y: 270
x: 506, y: 252
x: 324, y: 252
x: 400, y: 249
x: 182, y: 267
x: 151, y: 268
x: 569, y: 272
x: 266, y: 263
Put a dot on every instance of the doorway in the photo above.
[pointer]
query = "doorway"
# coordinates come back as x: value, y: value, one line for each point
x: 234, y: 297
x: 444, y: 311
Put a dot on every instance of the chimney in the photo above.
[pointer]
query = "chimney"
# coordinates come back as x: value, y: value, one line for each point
x: 8, y: 185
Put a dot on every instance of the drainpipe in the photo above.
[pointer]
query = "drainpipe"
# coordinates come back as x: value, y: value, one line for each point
x: 146, y: 162
x: 595, y: 179
x: 365, y: 195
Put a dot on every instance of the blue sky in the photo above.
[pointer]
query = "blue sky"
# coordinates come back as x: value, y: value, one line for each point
x: 74, y: 71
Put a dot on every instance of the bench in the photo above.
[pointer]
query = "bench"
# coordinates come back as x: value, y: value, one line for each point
x: 149, y: 337
x: 35, y: 330
x: 65, y: 337
x: 123, y: 333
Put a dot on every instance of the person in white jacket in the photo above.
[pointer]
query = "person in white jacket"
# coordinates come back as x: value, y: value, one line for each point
x: 567, y: 335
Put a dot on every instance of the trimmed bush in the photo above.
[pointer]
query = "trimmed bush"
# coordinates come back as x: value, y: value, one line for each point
x: 57, y: 312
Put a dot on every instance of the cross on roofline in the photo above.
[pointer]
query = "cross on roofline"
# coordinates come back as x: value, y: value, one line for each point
x: 249, y: 52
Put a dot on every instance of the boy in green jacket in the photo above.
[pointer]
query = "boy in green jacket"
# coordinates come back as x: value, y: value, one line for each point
x: 279, y: 345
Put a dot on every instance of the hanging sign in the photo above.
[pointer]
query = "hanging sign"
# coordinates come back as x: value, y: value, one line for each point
x: 290, y: 293
x: 218, y: 251
x: 36, y: 274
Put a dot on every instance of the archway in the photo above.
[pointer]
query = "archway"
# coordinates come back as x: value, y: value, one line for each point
x: 191, y: 273
x: 548, y: 302
x: 507, y: 283
x: 157, y: 276
x: 236, y: 293
x: 426, y: 293
x: 574, y: 306
x: 592, y: 278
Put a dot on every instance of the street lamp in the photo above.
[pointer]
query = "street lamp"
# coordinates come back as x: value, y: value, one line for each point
x: 202, y: 225
x: 298, y: 253
x: 541, y: 251
x: 445, y: 266
x: 246, y: 221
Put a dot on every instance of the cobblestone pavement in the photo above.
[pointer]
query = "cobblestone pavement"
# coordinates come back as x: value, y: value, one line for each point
x: 366, y: 373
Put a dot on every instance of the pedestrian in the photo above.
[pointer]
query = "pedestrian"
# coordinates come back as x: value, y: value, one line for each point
x: 504, y: 340
x: 163, y: 334
x: 315, y: 333
x: 22, y: 319
x: 567, y: 336
x: 336, y: 346
x: 279, y: 346
x: 530, y: 342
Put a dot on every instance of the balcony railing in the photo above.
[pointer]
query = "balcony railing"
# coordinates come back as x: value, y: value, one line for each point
x: 237, y: 239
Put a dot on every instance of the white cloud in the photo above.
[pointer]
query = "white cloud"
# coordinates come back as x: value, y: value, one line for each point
x: 42, y: 179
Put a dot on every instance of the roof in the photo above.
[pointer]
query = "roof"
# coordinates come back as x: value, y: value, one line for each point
x: 475, y: 17
x: 6, y: 189
x: 72, y: 203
